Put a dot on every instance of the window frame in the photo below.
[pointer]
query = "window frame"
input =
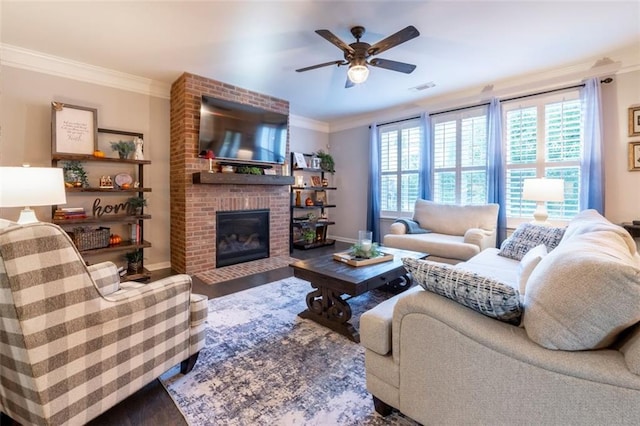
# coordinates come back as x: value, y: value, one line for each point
x: 541, y: 165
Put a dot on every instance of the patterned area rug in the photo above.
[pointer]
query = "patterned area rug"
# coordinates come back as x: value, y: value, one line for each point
x: 263, y: 365
x: 243, y: 269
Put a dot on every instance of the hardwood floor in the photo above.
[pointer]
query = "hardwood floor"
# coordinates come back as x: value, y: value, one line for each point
x: 152, y: 405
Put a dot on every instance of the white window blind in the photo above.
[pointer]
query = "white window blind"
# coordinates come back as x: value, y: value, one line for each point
x: 399, y: 166
x: 542, y: 138
x: 460, y: 156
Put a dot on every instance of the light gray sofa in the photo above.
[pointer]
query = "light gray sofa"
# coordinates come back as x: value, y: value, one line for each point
x: 454, y: 233
x: 574, y: 359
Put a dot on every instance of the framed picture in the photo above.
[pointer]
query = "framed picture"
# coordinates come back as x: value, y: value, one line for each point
x: 74, y: 129
x: 300, y: 161
x: 321, y: 198
x: 634, y: 121
x: 316, y: 181
x: 315, y: 163
x: 107, y: 136
x: 634, y: 156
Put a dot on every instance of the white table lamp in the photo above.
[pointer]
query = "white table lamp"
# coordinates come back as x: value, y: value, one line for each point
x: 541, y: 191
x: 31, y: 186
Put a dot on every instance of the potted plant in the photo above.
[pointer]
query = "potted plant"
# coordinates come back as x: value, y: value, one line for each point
x: 134, y: 261
x: 75, y: 174
x: 309, y: 235
x: 135, y: 205
x: 326, y: 161
x: 124, y: 148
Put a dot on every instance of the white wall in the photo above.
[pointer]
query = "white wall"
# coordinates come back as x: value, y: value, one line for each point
x: 622, y: 200
x: 26, y: 138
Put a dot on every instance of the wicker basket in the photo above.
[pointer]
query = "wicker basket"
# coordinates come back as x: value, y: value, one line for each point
x: 89, y: 239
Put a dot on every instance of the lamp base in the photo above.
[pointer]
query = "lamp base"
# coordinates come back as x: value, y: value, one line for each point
x: 27, y: 215
x: 540, y: 215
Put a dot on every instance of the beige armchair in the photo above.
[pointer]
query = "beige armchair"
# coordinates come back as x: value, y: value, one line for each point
x: 449, y: 233
x: 75, y: 341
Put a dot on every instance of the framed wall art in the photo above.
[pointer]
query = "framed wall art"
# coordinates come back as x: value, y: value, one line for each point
x: 634, y: 121
x: 74, y: 129
x: 316, y: 181
x: 634, y: 156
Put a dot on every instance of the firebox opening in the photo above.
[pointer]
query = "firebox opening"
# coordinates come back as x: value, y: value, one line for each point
x: 241, y: 236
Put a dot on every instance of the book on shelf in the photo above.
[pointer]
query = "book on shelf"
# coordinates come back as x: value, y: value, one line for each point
x: 135, y: 233
x: 70, y: 213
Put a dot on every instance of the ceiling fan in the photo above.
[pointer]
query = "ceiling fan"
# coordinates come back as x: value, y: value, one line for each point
x: 357, y: 54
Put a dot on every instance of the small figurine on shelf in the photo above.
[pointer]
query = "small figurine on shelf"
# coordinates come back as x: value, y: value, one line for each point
x: 138, y: 153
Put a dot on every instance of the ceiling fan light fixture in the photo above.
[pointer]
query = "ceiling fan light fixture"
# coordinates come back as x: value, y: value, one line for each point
x: 358, y: 73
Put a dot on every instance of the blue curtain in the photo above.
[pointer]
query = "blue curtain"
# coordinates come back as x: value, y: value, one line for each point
x: 495, y: 167
x: 591, y: 166
x: 426, y: 162
x: 373, y: 199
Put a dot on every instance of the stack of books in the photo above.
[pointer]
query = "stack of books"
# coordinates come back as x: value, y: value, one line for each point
x: 70, y: 213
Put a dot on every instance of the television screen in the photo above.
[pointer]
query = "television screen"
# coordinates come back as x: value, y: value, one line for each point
x: 240, y: 132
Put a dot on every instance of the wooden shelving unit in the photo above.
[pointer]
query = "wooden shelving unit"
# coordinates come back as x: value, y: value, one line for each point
x: 122, y: 219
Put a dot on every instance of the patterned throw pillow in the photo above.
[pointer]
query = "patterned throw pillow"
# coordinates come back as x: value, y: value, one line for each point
x: 485, y: 295
x: 527, y: 236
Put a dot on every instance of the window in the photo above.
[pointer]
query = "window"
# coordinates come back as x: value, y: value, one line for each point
x: 399, y: 167
x: 543, y: 138
x: 460, y: 156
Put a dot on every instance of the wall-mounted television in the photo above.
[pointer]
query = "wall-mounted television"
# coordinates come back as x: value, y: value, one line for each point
x: 242, y: 133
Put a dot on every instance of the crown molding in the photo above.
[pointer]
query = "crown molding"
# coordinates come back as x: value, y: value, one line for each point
x: 308, y: 123
x: 32, y: 60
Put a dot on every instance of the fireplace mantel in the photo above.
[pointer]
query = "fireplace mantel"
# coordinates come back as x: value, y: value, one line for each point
x: 240, y: 179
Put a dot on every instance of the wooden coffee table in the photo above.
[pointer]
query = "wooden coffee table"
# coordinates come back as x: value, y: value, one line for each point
x: 331, y: 279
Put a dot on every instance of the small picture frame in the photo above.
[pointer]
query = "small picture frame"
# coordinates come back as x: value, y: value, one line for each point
x: 300, y: 161
x: 634, y: 156
x: 315, y: 163
x: 634, y: 121
x: 74, y: 129
x: 321, y: 198
x: 316, y: 181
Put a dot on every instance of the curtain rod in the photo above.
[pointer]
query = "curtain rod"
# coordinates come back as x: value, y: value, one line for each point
x: 606, y: 81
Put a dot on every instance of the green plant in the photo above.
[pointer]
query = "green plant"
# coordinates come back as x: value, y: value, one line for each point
x: 135, y: 203
x: 249, y: 170
x: 326, y: 161
x: 74, y: 171
x: 124, y: 148
x: 357, y: 251
x: 134, y: 256
x: 309, y: 235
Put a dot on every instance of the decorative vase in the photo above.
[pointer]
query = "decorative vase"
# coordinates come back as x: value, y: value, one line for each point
x: 308, y: 201
x: 298, y: 199
x: 122, y: 155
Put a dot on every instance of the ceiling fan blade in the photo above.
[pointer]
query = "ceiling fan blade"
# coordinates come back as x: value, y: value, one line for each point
x: 332, y: 38
x: 313, y: 67
x: 349, y: 83
x: 393, y: 65
x: 393, y: 40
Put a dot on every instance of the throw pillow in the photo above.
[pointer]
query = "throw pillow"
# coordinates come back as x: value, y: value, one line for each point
x: 584, y: 293
x: 527, y: 236
x: 488, y: 296
x: 527, y: 265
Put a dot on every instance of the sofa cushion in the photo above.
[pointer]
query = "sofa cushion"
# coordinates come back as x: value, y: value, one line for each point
x: 584, y: 293
x: 528, y: 263
x: 527, y: 236
x: 439, y: 245
x: 453, y: 219
x: 589, y: 221
x: 486, y: 295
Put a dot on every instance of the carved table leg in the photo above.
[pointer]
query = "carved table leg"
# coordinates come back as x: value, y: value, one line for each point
x: 326, y: 307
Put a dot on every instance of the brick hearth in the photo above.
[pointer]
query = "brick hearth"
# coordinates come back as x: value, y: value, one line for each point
x: 194, y: 206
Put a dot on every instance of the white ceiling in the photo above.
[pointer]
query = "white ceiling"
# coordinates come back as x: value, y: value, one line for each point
x: 257, y: 45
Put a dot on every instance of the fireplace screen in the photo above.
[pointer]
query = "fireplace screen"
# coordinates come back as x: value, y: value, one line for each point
x: 241, y: 236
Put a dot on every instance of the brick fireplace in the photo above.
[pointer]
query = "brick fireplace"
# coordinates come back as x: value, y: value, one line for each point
x: 194, y: 205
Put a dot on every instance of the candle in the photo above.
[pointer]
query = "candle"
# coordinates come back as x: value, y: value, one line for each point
x: 365, y: 245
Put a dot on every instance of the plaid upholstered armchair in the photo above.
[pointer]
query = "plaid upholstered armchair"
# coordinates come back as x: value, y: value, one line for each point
x: 73, y: 340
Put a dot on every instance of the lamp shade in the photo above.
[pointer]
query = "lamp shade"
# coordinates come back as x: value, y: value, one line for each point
x: 31, y: 186
x: 358, y: 73
x: 543, y: 189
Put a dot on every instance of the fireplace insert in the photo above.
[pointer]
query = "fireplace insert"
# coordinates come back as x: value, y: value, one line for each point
x: 241, y: 236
